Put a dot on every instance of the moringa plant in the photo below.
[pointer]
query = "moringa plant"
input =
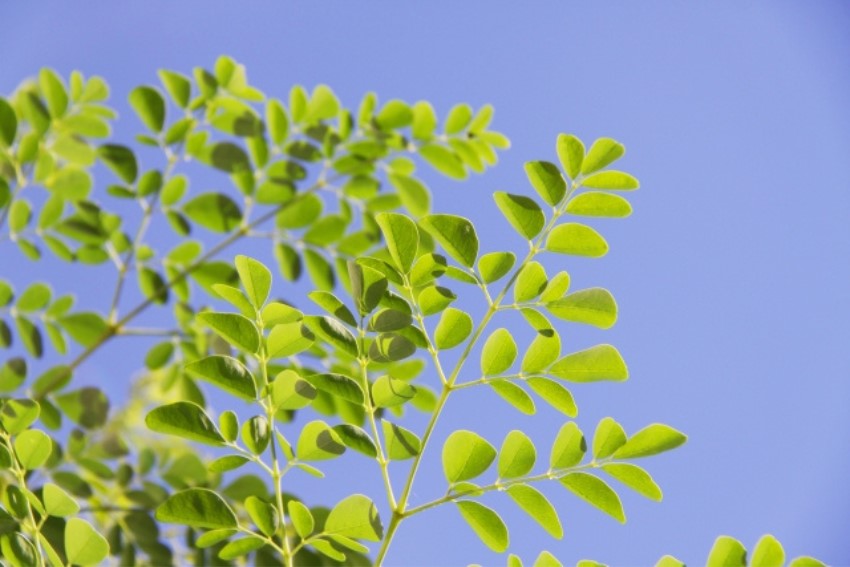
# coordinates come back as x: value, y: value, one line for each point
x: 354, y: 331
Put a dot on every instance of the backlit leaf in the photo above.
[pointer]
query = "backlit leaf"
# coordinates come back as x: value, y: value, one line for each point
x: 651, y: 440
x: 199, y: 508
x: 601, y: 362
x: 455, y: 234
x: 499, y: 352
x: 454, y: 327
x: 727, y: 552
x: 594, y: 306
x: 466, y: 455
x: 577, y: 240
x: 538, y: 507
x: 357, y: 517
x: 238, y: 330
x: 522, y: 212
x: 596, y: 492
x: 83, y: 543
x: 486, y: 523
x: 571, y: 154
x: 547, y: 180
x: 184, y: 419
x: 517, y: 455
x: 603, y: 152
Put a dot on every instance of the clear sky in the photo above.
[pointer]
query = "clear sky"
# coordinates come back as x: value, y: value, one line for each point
x: 731, y: 276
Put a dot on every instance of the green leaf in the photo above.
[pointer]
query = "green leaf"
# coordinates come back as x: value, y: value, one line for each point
x: 83, y: 543
x: 334, y: 333
x: 413, y: 194
x: 12, y: 374
x: 571, y: 154
x: 178, y: 86
x: 18, y: 550
x: 554, y: 394
x: 577, y: 240
x: 262, y: 514
x: 402, y: 238
x: 199, y: 508
x: 603, y: 152
x: 290, y: 391
x: 30, y: 336
x: 538, y: 507
x: 454, y: 327
x: 635, y: 478
x: 434, y: 299
x: 8, y: 123
x: 184, y: 419
x: 768, y: 552
x: 546, y: 559
x: 256, y: 279
x: 17, y: 415
x: 318, y: 442
x: 391, y: 347
x: 57, y: 502
x: 600, y: 362
x: 386, y: 320
x: 514, y: 395
x: 458, y: 119
x: 596, y: 492
x: 499, y: 353
x: 466, y: 455
x: 546, y: 180
x: 357, y: 439
x: 35, y: 297
x: 805, y: 561
x: 486, y: 523
x: 542, y: 352
x: 611, y: 180
x: 669, y: 561
x: 214, y: 211
x: 357, y: 517
x: 325, y: 548
x: 88, y: 406
x: 301, y: 518
x: 495, y: 265
x: 523, y: 213
x: 594, y: 306
x: 651, y: 440
x: 288, y: 339
x: 389, y: 392
x: 333, y: 305
x: 256, y: 434
x: 394, y: 114
x: 595, y: 204
x: 237, y: 330
x: 121, y: 160
x: 277, y: 121
x: 530, y: 282
x: 609, y: 437
x: 242, y: 546
x: 517, y: 455
x: 150, y: 106
x: 227, y: 463
x: 20, y: 213
x: 455, y: 234
x: 569, y: 447
x: 401, y: 443
x: 443, y: 160
x: 339, y: 386
x: 32, y: 448
x: 54, y: 92
x: 727, y: 552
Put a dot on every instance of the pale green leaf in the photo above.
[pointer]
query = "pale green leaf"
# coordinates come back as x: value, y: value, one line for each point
x: 301, y: 518
x: 603, y: 152
x: 577, y: 240
x: 547, y: 180
x: 458, y: 119
x: 523, y: 213
x: 669, y: 561
x: 443, y: 160
x: 83, y: 543
x: 237, y: 330
x: 198, y: 508
x: 609, y: 437
x: 288, y: 339
x: 290, y: 391
x: 600, y: 362
x: 240, y: 547
x: 495, y: 265
x: 546, y: 559
x: 571, y: 154
x: 256, y: 279
x: 517, y: 455
x: 596, y: 492
x: 499, y: 353
x: 214, y: 211
x: 635, y: 478
x: 17, y: 415
x: 514, y: 395
x: 184, y: 419
x: 454, y: 327
x: 554, y: 394
x: 57, y: 502
x: 401, y: 443
x: 538, y: 507
x: 402, y: 238
x: 486, y: 523
x: 227, y: 373
x: 569, y: 447
x: 466, y: 455
x: 262, y: 514
x: 54, y: 92
x: 530, y: 282
x: 338, y: 385
x: 357, y: 517
x: 318, y: 442
x: 768, y: 552
x: 455, y: 234
x: 32, y: 448
x: 594, y: 306
x: 150, y: 106
x: 727, y: 552
x: 542, y: 352
x: 389, y: 392
x: 611, y: 180
x: 596, y: 204
x: 651, y: 440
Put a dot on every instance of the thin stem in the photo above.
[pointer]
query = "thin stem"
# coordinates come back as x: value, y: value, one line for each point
x: 20, y: 476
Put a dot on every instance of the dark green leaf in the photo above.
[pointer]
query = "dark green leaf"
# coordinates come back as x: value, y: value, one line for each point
x: 184, y: 419
x: 225, y: 372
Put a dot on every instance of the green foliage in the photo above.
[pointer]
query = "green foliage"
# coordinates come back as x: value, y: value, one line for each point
x: 175, y: 475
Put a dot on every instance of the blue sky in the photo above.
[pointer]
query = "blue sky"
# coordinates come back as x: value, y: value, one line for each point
x: 731, y: 276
